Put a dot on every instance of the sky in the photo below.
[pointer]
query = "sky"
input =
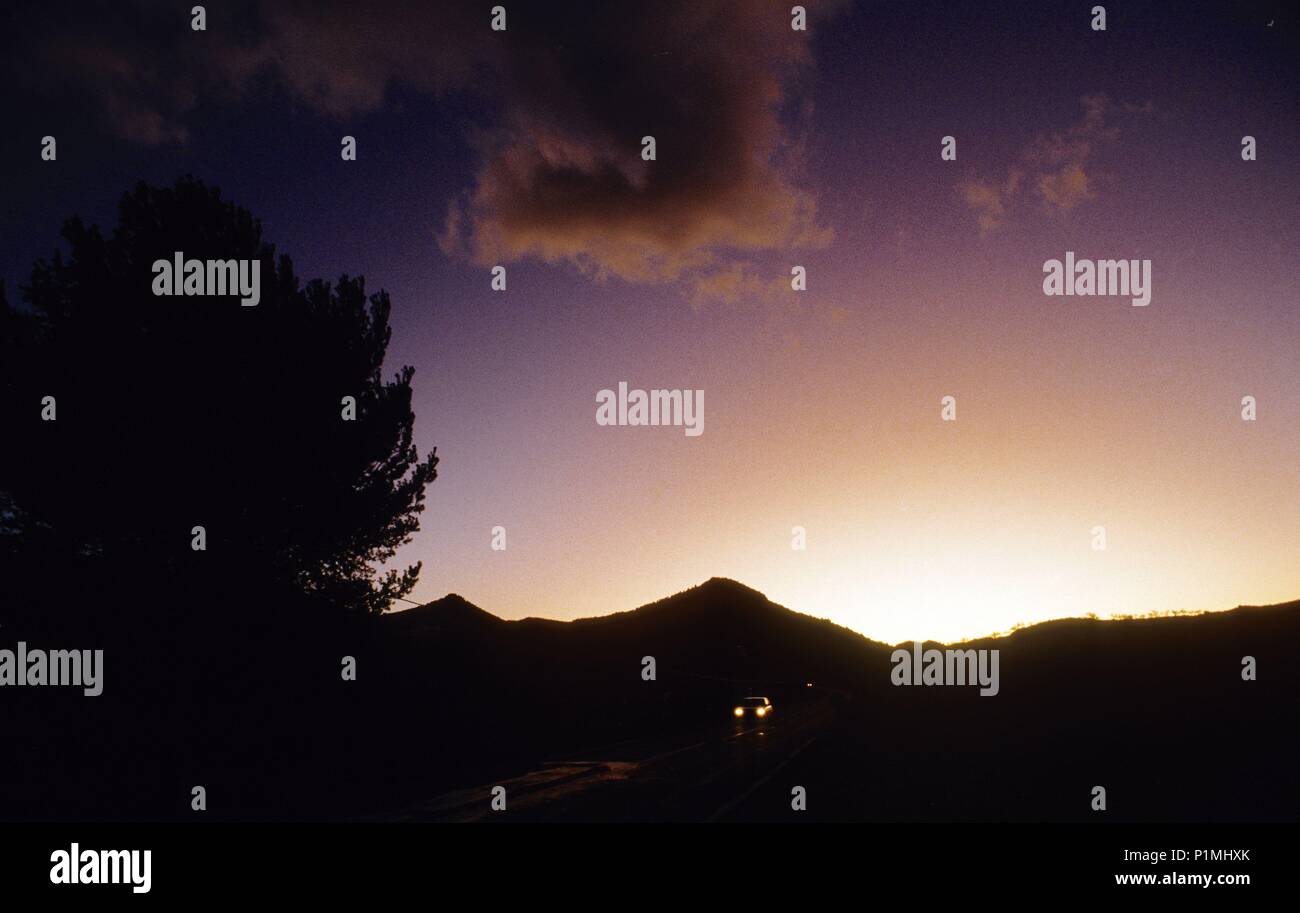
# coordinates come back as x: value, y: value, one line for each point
x: 775, y: 148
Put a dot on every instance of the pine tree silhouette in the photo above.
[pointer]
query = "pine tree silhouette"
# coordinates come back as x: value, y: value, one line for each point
x: 177, y: 412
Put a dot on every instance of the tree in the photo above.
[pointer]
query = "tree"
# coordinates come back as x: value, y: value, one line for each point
x: 178, y: 412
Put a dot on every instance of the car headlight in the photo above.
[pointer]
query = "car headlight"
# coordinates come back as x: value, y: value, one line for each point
x: 739, y: 711
x: 761, y: 711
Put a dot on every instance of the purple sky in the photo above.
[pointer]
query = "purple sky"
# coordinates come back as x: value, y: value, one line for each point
x: 775, y: 148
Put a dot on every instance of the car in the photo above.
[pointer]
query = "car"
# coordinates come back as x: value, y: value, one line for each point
x: 753, y: 706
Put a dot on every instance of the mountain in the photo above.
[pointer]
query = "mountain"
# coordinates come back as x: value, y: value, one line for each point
x: 452, y: 615
x: 1155, y: 709
x: 449, y: 697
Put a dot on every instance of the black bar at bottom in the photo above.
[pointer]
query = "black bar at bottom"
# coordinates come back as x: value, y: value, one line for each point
x: 439, y: 861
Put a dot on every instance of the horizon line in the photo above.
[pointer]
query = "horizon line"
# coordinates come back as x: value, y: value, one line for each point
x: 1025, y: 626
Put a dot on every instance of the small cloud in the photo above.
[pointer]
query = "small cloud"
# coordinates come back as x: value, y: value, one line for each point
x: 990, y: 200
x: 1066, y: 188
x: 1056, y: 166
x: 738, y: 283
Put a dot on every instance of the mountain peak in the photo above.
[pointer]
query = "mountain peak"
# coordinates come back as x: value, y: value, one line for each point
x: 450, y: 609
x: 711, y: 595
x: 727, y: 585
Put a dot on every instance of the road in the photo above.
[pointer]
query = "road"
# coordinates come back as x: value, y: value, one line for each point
x: 716, y: 773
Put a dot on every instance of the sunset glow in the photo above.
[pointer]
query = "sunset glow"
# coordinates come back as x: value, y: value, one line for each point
x: 925, y: 276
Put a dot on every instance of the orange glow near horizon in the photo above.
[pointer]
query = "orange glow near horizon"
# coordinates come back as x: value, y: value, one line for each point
x: 822, y: 407
x: 916, y: 528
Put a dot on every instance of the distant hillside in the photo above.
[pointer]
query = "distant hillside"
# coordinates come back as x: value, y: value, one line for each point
x: 1153, y: 707
x: 447, y: 695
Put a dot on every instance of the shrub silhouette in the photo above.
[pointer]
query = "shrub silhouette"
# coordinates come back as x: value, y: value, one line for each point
x: 177, y: 412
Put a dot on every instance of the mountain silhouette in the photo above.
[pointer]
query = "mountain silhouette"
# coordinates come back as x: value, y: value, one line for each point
x: 1155, y: 709
x: 450, y: 615
x: 449, y: 697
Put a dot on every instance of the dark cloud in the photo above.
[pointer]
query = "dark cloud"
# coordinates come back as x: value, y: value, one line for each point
x: 568, y: 92
x: 562, y: 178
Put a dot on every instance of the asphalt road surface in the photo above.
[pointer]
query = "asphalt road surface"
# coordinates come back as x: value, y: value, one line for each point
x: 731, y: 770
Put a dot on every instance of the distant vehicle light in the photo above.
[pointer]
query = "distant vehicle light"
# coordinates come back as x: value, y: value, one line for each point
x: 759, y: 706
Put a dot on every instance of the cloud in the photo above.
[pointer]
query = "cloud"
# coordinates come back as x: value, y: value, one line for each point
x: 562, y: 178
x: 739, y: 282
x: 1056, y: 167
x: 990, y: 200
x: 567, y: 93
x: 1066, y: 188
x: 146, y: 70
